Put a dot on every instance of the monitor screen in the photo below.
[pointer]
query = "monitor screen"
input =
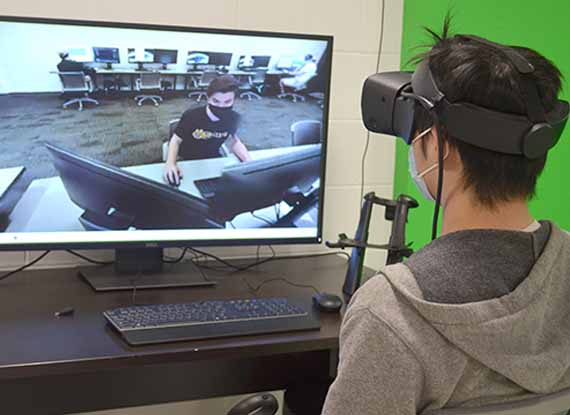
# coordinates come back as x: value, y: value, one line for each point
x: 81, y: 54
x: 106, y: 55
x: 140, y: 55
x: 248, y: 61
x: 164, y: 55
x: 187, y: 170
x: 209, y: 58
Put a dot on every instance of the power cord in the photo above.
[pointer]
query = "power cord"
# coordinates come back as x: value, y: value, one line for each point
x: 365, y: 152
x: 274, y: 257
x: 23, y: 267
x: 93, y: 261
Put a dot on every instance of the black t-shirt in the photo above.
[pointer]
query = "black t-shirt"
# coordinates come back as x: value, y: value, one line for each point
x: 202, y: 137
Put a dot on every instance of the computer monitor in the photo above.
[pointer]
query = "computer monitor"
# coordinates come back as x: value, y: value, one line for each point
x: 164, y: 56
x: 106, y: 55
x: 197, y: 58
x: 254, y: 61
x: 100, y: 182
x: 80, y: 54
x: 219, y: 59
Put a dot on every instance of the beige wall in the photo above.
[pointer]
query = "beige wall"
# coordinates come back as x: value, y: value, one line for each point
x: 356, y: 26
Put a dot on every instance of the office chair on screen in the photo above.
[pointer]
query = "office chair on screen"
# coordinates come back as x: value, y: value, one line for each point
x: 296, y: 93
x: 306, y: 132
x: 251, y: 85
x: 79, y: 86
x: 150, y: 82
x: 202, y: 86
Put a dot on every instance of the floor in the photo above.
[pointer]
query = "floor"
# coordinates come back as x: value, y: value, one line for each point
x: 121, y: 133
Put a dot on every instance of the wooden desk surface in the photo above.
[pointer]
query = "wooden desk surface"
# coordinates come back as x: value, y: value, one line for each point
x: 35, y: 343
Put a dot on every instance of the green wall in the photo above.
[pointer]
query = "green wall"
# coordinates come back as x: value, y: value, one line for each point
x: 541, y: 25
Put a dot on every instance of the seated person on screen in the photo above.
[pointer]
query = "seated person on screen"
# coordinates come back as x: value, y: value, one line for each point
x: 68, y: 65
x: 202, y: 131
x: 301, y: 76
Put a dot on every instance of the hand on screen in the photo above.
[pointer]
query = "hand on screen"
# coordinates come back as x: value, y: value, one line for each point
x: 172, y: 174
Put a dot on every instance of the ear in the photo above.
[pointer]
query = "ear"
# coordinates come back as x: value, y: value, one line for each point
x: 432, y: 145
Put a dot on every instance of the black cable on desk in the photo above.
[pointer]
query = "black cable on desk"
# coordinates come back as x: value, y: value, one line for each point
x: 23, y: 267
x: 93, y: 261
x: 282, y: 279
x: 274, y: 257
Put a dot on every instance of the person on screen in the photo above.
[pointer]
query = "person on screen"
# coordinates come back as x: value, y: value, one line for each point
x: 68, y: 65
x: 301, y: 76
x: 203, y: 130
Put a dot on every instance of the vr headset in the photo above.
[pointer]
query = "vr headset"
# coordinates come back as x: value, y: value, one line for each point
x: 388, y: 102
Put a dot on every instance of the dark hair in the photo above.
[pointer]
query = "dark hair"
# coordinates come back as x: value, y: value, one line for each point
x: 482, y: 75
x: 223, y: 83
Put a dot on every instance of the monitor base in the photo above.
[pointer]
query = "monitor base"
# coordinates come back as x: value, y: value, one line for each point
x: 172, y: 276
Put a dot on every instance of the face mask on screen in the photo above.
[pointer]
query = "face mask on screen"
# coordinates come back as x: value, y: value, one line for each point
x: 220, y: 112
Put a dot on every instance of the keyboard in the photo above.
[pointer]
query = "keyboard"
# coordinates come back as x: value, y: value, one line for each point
x: 207, y: 187
x: 160, y: 323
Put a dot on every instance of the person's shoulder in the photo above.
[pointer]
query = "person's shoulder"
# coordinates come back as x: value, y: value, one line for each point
x: 377, y: 287
x: 194, y: 112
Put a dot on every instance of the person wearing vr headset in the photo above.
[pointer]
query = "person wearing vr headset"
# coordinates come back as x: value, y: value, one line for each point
x: 479, y: 315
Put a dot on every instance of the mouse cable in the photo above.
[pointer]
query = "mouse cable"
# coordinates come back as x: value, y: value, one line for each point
x: 23, y: 267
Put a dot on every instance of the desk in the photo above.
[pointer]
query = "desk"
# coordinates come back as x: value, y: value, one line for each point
x: 76, y: 364
x: 45, y: 205
x: 132, y: 73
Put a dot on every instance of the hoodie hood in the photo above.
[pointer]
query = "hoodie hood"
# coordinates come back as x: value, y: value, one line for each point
x: 524, y: 335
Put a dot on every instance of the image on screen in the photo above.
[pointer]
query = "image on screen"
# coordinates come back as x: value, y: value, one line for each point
x: 189, y: 135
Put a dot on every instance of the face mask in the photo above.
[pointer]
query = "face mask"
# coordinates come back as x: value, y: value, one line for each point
x: 417, y: 177
x: 220, y: 112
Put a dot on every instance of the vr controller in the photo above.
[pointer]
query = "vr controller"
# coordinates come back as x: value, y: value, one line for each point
x: 389, y: 98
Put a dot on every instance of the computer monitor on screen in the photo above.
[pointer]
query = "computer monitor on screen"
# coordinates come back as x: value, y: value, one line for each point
x: 106, y: 55
x: 254, y: 61
x: 165, y: 56
x: 220, y: 59
x: 198, y: 58
x: 140, y: 56
x: 81, y: 54
x: 100, y: 184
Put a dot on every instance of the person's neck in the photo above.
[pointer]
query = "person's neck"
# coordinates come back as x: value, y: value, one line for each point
x: 462, y: 213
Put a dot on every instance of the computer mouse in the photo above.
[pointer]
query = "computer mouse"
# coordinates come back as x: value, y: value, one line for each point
x: 329, y: 303
x: 173, y: 183
x: 263, y: 404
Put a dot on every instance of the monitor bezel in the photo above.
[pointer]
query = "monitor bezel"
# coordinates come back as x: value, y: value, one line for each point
x: 193, y: 242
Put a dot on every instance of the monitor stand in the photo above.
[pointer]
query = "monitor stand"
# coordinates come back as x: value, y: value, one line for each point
x: 142, y: 268
x: 109, y: 65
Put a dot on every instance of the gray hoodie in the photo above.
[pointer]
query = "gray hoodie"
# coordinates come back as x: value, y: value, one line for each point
x: 403, y: 354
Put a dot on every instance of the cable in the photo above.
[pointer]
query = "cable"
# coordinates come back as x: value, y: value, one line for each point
x: 256, y: 289
x: 261, y: 218
x: 274, y: 257
x: 363, y: 165
x: 23, y: 267
x: 176, y: 260
x: 365, y: 152
x: 93, y: 261
x: 439, y: 177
